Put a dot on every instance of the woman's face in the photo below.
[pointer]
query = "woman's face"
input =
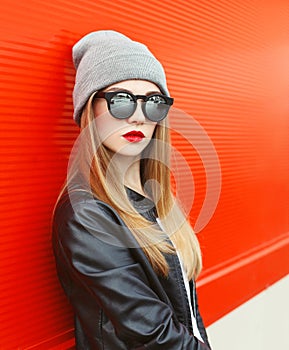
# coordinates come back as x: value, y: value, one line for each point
x: 129, y: 136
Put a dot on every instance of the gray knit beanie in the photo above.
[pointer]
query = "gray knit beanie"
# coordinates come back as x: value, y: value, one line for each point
x: 106, y: 57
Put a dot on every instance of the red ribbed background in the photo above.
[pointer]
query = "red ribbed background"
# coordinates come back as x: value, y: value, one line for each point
x: 227, y: 65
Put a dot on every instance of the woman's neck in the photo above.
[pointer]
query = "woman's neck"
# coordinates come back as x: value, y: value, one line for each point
x: 129, y: 168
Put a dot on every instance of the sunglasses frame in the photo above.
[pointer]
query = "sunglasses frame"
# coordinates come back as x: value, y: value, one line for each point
x: 108, y: 95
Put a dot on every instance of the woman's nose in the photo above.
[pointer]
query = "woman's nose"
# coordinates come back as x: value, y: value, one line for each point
x: 138, y: 116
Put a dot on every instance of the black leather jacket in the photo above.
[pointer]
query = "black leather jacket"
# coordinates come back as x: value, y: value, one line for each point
x: 119, y: 301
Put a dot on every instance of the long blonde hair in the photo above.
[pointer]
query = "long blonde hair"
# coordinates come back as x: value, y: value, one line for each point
x: 155, y: 173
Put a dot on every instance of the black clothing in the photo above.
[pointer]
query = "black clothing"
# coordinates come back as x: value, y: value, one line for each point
x: 119, y: 301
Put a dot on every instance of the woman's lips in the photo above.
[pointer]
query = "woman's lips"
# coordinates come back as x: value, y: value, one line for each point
x: 134, y: 136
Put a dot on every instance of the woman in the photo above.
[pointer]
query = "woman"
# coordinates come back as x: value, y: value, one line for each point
x: 126, y: 256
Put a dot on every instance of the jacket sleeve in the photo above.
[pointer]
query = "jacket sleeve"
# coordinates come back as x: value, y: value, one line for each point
x: 99, y: 259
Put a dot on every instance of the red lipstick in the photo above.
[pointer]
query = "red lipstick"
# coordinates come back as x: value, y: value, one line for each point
x: 134, y: 136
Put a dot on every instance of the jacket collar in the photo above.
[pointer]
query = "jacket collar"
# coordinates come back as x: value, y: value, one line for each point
x: 144, y: 205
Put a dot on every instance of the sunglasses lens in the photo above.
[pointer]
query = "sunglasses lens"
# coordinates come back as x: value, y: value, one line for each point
x: 122, y: 105
x: 156, y: 108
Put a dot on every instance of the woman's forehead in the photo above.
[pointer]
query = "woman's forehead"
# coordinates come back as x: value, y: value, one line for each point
x: 135, y: 86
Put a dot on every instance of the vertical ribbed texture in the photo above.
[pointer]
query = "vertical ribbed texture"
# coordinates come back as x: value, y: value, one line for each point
x: 226, y: 64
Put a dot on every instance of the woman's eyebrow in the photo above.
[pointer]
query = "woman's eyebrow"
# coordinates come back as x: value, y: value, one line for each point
x: 153, y: 92
x: 125, y: 90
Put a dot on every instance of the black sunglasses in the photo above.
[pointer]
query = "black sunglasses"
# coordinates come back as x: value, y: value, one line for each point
x: 123, y: 104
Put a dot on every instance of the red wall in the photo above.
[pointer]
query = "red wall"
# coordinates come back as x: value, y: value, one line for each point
x: 227, y: 65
